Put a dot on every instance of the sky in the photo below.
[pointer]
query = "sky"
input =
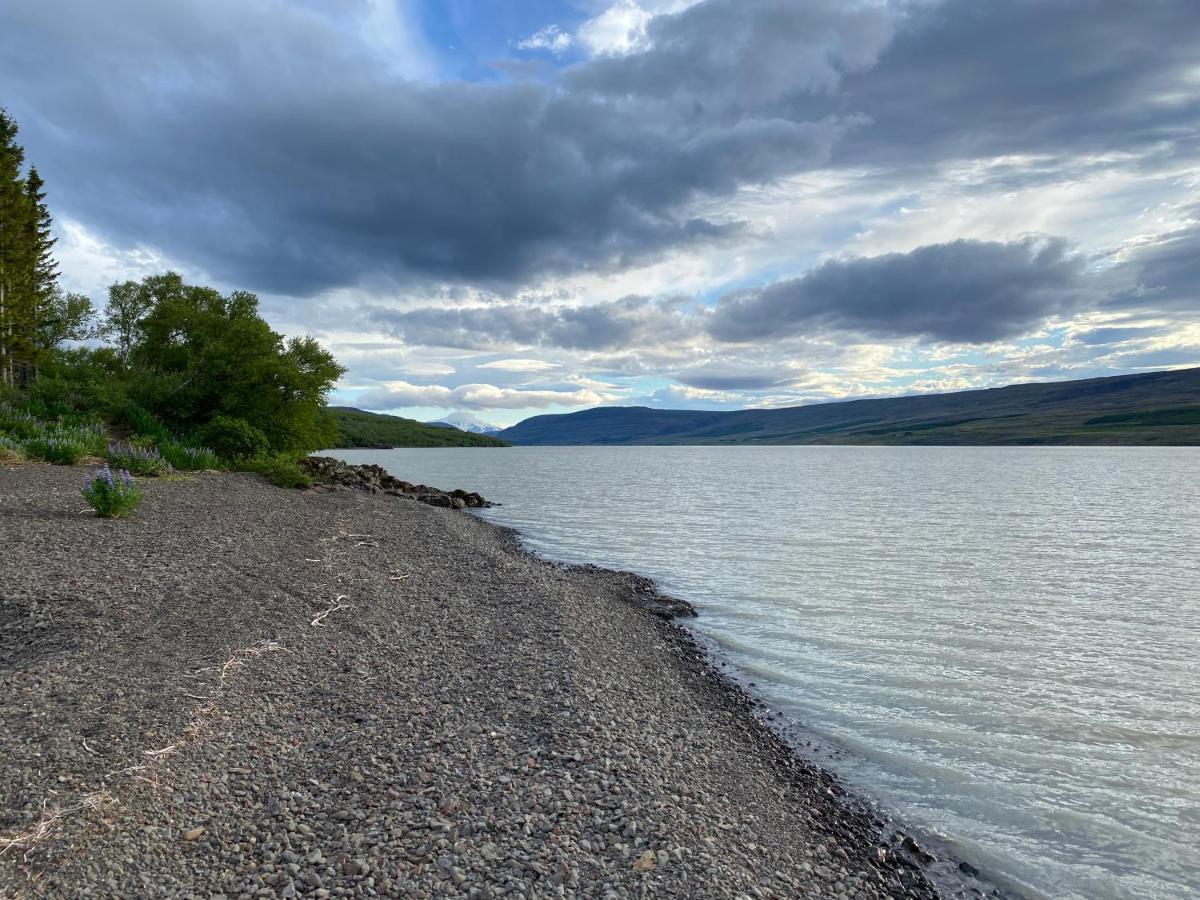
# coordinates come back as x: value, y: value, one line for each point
x: 539, y: 206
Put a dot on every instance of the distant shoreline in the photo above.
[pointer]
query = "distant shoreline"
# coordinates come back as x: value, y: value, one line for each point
x: 1150, y: 409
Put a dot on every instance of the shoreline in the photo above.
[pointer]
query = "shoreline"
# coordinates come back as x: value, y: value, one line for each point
x: 156, y: 759
x: 908, y: 845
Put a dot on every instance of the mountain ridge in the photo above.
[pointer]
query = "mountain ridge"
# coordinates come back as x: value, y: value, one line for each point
x: 360, y: 428
x: 1148, y: 408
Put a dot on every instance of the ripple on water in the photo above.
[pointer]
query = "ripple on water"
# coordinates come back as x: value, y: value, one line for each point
x: 1004, y: 643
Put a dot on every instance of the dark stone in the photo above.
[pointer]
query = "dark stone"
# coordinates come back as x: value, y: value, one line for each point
x: 375, y: 479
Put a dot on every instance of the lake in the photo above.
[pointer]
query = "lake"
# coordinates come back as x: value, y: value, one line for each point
x: 1001, y: 645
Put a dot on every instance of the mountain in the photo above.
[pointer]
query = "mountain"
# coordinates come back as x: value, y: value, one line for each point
x: 1152, y: 408
x: 367, y: 429
x: 467, y: 422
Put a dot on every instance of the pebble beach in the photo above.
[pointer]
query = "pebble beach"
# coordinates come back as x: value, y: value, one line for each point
x: 245, y: 691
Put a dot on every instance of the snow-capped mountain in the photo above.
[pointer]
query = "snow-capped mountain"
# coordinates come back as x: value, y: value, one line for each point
x: 467, y: 422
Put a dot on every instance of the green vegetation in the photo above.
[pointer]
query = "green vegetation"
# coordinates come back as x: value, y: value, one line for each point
x: 1180, y: 415
x: 137, y: 458
x: 366, y: 429
x: 281, y: 469
x: 112, y: 496
x: 1156, y: 408
x: 187, y: 377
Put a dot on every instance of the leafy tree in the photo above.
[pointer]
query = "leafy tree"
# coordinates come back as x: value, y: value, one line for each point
x: 232, y: 438
x: 128, y: 305
x: 213, y: 355
x: 65, y: 317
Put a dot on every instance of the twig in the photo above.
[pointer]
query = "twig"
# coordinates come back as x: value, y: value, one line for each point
x: 337, y: 604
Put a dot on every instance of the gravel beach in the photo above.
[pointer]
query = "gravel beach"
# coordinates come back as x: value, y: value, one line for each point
x: 244, y: 691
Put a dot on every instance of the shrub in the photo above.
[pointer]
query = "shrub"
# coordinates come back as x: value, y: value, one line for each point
x: 280, y: 469
x: 19, y: 423
x: 137, y: 460
x: 141, y: 421
x: 231, y: 438
x: 189, y: 459
x: 112, y: 496
x: 53, y: 448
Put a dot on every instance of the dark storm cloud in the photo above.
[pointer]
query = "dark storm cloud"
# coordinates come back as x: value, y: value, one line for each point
x: 715, y: 379
x: 249, y: 140
x: 267, y: 144
x: 965, y: 291
x: 1100, y: 337
x: 602, y: 326
x: 1166, y: 272
x: 964, y: 79
x: 732, y: 57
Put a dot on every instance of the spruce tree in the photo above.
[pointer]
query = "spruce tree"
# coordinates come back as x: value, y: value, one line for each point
x: 14, y: 217
x: 42, y: 270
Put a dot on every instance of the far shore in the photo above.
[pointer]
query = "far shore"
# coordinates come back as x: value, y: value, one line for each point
x: 245, y: 691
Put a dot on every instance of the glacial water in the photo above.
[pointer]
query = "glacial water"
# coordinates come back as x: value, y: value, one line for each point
x: 1000, y: 645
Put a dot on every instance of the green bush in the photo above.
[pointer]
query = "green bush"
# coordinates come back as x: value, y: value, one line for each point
x: 189, y: 459
x: 112, y: 496
x: 234, y: 439
x: 141, y: 421
x: 281, y: 469
x: 55, y: 449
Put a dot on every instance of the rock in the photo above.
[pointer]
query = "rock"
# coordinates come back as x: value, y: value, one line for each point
x: 375, y: 480
x: 354, y: 867
x: 193, y: 834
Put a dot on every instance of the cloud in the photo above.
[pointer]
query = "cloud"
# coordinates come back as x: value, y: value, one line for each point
x: 1166, y: 272
x: 720, y: 378
x: 964, y: 80
x: 737, y: 57
x: 601, y: 326
x: 549, y: 38
x: 965, y: 291
x: 401, y: 394
x: 1117, y: 335
x: 519, y: 365
x: 277, y: 149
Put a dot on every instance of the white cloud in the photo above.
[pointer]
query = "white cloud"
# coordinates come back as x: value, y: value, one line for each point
x: 89, y: 263
x: 550, y: 38
x: 519, y: 365
x: 401, y: 394
x: 621, y: 28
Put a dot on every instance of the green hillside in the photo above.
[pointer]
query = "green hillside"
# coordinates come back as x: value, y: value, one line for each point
x: 1154, y: 408
x: 367, y: 429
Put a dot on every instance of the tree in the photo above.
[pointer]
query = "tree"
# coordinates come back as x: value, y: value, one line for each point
x: 65, y: 317
x: 40, y: 285
x: 205, y: 355
x: 128, y: 304
x: 28, y: 272
x: 14, y: 216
